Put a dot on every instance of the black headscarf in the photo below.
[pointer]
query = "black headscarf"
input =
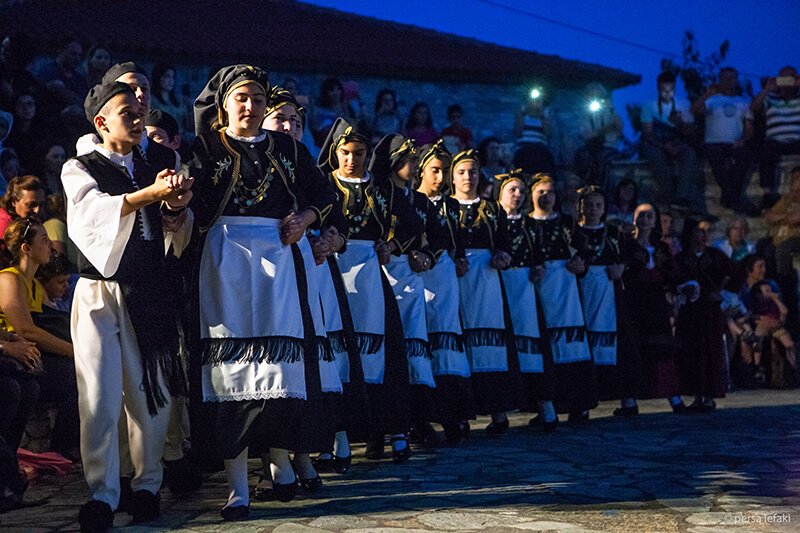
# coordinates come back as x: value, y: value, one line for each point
x: 389, y: 154
x: 501, y: 180
x: 429, y: 152
x: 209, y: 107
x: 279, y: 97
x: 342, y: 132
x: 460, y: 157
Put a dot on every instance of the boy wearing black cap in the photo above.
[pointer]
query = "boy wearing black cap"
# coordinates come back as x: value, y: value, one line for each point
x: 123, y: 327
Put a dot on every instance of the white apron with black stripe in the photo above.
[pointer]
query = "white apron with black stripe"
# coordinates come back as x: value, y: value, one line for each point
x: 249, y: 295
x: 481, y: 306
x: 561, y: 305
x: 409, y: 290
x: 332, y: 316
x: 521, y: 296
x: 361, y: 274
x: 444, y: 327
x: 600, y: 313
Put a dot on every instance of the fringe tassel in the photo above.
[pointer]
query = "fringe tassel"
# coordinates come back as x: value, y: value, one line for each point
x: 484, y: 337
x: 368, y: 343
x: 169, y: 365
x: 324, y: 349
x: 528, y: 345
x: 445, y: 341
x: 417, y: 348
x: 602, y: 339
x: 337, y: 342
x: 258, y: 350
x: 574, y: 334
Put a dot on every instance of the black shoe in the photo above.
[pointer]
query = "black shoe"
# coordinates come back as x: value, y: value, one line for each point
x: 374, y: 449
x: 342, y: 464
x: 701, y: 406
x: 334, y: 463
x: 146, y: 506
x: 400, y: 456
x: 465, y: 428
x: 95, y: 517
x: 311, y: 485
x: 125, y: 496
x: 262, y: 491
x: 181, y: 477
x: 235, y: 514
x: 284, y: 492
x: 453, y: 433
x: 425, y: 435
x: 627, y: 412
x: 680, y: 409
x: 497, y: 428
x: 578, y: 417
x: 547, y: 427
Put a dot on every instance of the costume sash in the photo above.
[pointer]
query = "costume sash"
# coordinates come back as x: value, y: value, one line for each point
x: 332, y: 316
x: 409, y: 291
x: 521, y: 296
x: 444, y: 328
x: 362, y: 281
x: 561, y: 305
x: 600, y: 312
x: 481, y: 306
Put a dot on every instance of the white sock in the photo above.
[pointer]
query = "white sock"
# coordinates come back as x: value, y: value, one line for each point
x: 236, y: 474
x: 303, y: 467
x: 399, y: 442
x: 628, y: 402
x: 675, y: 400
x: 341, y: 445
x: 281, y: 466
x: 547, y: 410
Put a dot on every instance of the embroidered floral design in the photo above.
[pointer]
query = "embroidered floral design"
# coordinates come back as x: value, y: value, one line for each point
x: 220, y: 167
x: 289, y: 167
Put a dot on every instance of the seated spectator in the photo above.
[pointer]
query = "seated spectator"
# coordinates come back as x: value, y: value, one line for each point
x: 456, y: 136
x: 492, y: 164
x: 9, y: 166
x: 56, y: 227
x: 165, y: 96
x: 330, y: 106
x: 25, y: 310
x: 16, y: 52
x: 779, y: 101
x: 419, y: 125
x: 668, y: 234
x: 784, y: 221
x: 622, y: 206
x: 735, y: 244
x: 601, y: 131
x: 767, y: 317
x: 51, y: 159
x: 387, y: 119
x: 27, y: 132
x: 65, y: 82
x: 668, y: 128
x: 728, y: 130
x: 532, y: 128
x: 567, y: 201
x: 56, y: 276
x: 6, y: 121
x: 24, y: 198
x: 98, y: 61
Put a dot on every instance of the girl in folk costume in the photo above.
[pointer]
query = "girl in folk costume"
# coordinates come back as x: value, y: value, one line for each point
x: 395, y: 160
x: 373, y: 235
x: 518, y: 280
x: 700, y: 325
x: 488, y: 333
x: 576, y: 383
x: 453, y: 393
x: 266, y: 361
x: 646, y: 345
x: 598, y: 247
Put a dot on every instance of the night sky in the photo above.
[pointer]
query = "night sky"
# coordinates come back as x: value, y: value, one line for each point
x: 764, y: 36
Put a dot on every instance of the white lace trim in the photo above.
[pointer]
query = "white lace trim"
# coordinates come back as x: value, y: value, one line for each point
x: 551, y: 216
x: 514, y: 217
x: 256, y: 139
x: 363, y: 179
x: 469, y: 202
x: 252, y: 395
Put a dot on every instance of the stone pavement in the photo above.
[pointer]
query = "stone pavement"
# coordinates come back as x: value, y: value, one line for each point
x: 737, y: 469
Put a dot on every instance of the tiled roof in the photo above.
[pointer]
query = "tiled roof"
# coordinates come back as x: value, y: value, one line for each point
x: 290, y: 35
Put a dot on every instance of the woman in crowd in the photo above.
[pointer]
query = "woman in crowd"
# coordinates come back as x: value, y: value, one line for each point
x: 329, y: 106
x: 598, y: 246
x: 576, y: 383
x: 419, y: 125
x: 267, y: 373
x: 453, y: 393
x: 735, y: 244
x: 488, y: 331
x: 626, y: 198
x: 24, y: 198
x: 647, y: 348
x: 25, y: 310
x: 387, y: 118
x: 98, y: 61
x: 165, y: 97
x: 395, y: 159
x: 491, y: 164
x: 700, y: 325
x: 373, y: 235
x: 519, y: 280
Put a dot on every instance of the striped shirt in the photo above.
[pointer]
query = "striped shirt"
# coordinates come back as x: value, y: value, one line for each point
x: 533, y: 131
x: 783, y: 118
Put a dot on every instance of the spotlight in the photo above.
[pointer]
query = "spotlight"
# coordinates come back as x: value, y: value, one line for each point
x: 595, y: 106
x: 536, y: 93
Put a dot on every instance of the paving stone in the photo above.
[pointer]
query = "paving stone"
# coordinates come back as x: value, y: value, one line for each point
x: 339, y: 522
x: 459, y: 521
x: 298, y: 528
x: 561, y: 527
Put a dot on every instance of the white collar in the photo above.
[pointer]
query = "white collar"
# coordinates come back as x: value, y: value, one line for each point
x: 118, y: 159
x: 514, y: 217
x: 364, y: 179
x: 470, y: 202
x: 597, y: 226
x: 551, y: 216
x: 435, y: 198
x: 255, y: 139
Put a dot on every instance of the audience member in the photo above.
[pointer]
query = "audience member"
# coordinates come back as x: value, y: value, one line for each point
x: 24, y: 198
x: 55, y: 278
x: 63, y: 79
x: 491, y: 163
x: 56, y: 227
x: 49, y: 166
x: 26, y: 135
x: 601, y: 131
x: 735, y: 244
x: 419, y: 125
x: 623, y: 205
x: 16, y: 52
x: 387, y: 119
x: 330, y: 106
x: 98, y: 61
x: 532, y: 129
x: 9, y: 165
x: 456, y: 136
x: 165, y: 96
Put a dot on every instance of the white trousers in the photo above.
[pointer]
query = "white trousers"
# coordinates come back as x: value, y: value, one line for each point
x: 109, y: 370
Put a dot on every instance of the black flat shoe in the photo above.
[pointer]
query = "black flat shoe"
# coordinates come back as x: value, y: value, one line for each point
x: 578, y: 417
x: 146, y: 506
x: 497, y: 428
x: 400, y: 456
x: 375, y: 449
x: 311, y: 485
x: 465, y: 428
x: 181, y: 477
x: 323, y: 464
x: 547, y: 427
x: 453, y: 434
x: 424, y: 435
x: 284, y: 492
x: 235, y: 514
x: 263, y: 490
x: 680, y: 409
x: 95, y: 517
x: 125, y: 496
x: 627, y: 412
x: 342, y: 464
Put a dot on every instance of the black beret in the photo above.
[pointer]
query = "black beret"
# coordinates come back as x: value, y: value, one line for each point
x: 122, y: 68
x: 162, y: 119
x: 102, y: 93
